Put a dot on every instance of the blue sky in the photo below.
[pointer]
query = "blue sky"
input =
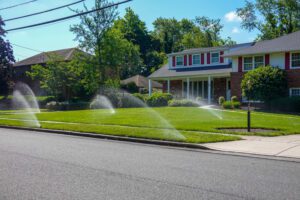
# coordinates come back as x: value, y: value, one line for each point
x: 57, y: 36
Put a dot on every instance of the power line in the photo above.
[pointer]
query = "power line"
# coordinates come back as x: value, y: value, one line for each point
x: 68, y: 17
x: 27, y: 48
x: 20, y: 4
x: 42, y: 12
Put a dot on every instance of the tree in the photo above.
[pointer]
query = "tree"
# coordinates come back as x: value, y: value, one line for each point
x: 6, y: 61
x: 279, y: 17
x: 265, y: 84
x: 64, y: 80
x: 90, y: 32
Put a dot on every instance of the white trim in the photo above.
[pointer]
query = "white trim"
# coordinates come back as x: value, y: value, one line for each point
x: 291, y: 67
x: 290, y: 91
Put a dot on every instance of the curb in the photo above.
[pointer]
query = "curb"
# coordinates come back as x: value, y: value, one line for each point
x: 112, y: 137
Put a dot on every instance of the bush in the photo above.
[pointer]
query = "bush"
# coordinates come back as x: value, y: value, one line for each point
x: 130, y: 87
x: 141, y: 97
x: 287, y: 104
x: 199, y: 99
x: 182, y: 103
x: 236, y: 104
x: 227, y: 105
x: 221, y: 100
x: 62, y: 106
x: 234, y: 99
x: 159, y: 99
x: 129, y: 101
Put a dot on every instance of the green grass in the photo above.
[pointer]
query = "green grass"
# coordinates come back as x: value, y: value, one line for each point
x: 145, y: 123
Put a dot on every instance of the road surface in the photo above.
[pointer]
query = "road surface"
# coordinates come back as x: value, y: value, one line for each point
x: 37, y: 165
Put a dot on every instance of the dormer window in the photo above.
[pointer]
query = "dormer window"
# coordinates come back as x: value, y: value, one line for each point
x: 196, y: 59
x: 215, y: 57
x: 179, y: 61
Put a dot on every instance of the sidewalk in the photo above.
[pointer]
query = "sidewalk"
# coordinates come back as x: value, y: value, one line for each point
x: 284, y: 146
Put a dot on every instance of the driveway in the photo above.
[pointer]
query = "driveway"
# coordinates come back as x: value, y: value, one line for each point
x: 285, y: 146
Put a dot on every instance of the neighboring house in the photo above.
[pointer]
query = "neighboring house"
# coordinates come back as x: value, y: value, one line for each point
x: 218, y: 71
x: 141, y: 82
x: 23, y: 66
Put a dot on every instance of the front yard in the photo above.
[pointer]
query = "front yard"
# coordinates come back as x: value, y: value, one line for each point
x: 194, y: 125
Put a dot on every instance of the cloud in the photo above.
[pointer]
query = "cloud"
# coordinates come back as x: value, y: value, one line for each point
x: 235, y: 30
x: 232, y: 17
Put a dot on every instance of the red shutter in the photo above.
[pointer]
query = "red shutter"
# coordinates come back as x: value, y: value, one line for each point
x: 240, y: 66
x: 190, y: 60
x: 174, y: 61
x: 221, y: 57
x: 287, y: 60
x: 202, y: 58
x: 208, y: 58
x: 267, y: 59
x: 185, y: 60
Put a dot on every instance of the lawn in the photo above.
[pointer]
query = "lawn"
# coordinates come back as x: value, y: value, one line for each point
x: 163, y: 123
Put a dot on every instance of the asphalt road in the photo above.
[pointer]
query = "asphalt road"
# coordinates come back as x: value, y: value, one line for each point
x: 48, y: 166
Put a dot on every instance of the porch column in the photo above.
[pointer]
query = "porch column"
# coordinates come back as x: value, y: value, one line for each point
x: 168, y: 86
x: 209, y: 90
x: 188, y: 88
x: 150, y: 87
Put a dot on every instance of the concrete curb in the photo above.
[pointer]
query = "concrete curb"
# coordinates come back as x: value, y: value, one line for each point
x: 113, y: 137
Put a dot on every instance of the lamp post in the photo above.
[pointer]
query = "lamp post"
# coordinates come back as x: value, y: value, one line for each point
x: 249, y: 112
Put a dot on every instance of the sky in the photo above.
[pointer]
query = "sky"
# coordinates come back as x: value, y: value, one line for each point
x: 57, y: 36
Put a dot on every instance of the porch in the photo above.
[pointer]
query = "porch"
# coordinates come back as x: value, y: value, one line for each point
x: 208, y: 88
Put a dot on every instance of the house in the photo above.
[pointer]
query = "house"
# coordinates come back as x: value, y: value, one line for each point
x: 218, y: 71
x: 23, y: 66
x: 141, y: 82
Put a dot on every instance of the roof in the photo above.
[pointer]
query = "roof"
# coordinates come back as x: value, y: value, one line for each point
x: 141, y: 82
x: 165, y: 72
x: 210, y: 49
x: 290, y: 42
x: 66, y: 54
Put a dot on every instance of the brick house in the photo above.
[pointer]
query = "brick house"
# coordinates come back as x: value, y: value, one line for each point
x: 23, y: 66
x: 218, y: 71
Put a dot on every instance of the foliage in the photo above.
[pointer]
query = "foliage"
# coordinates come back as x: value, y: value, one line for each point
x: 265, y: 84
x: 182, y: 103
x: 159, y: 99
x: 236, y: 104
x: 227, y: 105
x: 234, y: 99
x: 231, y: 105
x: 6, y: 61
x: 279, y: 17
x: 92, y: 28
x: 221, y: 100
x: 285, y: 104
x: 63, y: 80
x: 142, y: 97
x: 131, y: 87
x: 63, y: 106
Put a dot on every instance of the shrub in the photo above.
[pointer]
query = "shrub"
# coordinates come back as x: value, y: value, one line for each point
x: 131, y: 87
x: 182, y: 103
x: 236, y: 104
x: 221, y: 100
x: 234, y: 99
x: 159, y: 99
x: 129, y: 101
x: 199, y: 99
x: 227, y: 105
x: 141, y: 97
x: 62, y: 106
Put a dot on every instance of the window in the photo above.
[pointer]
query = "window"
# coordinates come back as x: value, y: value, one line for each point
x: 295, y: 92
x: 248, y: 63
x: 215, y: 58
x: 179, y: 61
x: 258, y: 61
x: 295, y: 60
x: 196, y: 59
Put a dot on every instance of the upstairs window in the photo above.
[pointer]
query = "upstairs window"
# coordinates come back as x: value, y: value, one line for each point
x: 295, y: 92
x: 179, y: 61
x: 258, y: 61
x: 248, y: 63
x: 215, y: 58
x: 295, y: 61
x: 196, y: 59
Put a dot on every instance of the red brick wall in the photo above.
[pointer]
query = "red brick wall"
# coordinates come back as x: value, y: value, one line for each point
x: 293, y: 78
x: 236, y: 80
x: 175, y: 87
x: 219, y: 87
